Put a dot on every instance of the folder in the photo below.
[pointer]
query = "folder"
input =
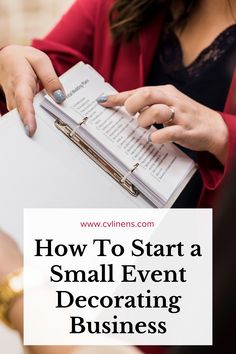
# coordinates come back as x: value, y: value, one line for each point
x: 59, y: 168
x: 50, y: 171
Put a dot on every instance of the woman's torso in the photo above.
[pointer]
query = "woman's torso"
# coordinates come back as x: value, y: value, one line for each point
x: 207, y: 80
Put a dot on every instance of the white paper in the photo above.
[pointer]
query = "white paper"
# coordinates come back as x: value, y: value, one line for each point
x: 162, y: 168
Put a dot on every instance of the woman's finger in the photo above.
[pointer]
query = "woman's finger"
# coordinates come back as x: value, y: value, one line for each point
x: 136, y: 100
x: 46, y: 74
x: 147, y: 97
x: 24, y: 102
x: 119, y: 99
x: 155, y: 114
x: 173, y: 133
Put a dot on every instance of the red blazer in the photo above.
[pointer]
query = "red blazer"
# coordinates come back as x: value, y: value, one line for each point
x: 83, y: 34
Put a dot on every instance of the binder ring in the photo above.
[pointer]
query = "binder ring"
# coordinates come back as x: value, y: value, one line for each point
x: 73, y: 132
x: 124, y: 178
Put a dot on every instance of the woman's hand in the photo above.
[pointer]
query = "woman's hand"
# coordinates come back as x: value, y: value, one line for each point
x: 11, y: 259
x: 10, y: 256
x: 185, y: 121
x: 21, y: 70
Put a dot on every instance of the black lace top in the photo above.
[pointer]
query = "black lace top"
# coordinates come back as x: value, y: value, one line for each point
x: 207, y: 80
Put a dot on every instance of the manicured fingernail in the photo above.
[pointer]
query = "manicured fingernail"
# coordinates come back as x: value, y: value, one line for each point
x: 102, y: 99
x: 59, y: 96
x: 149, y: 138
x: 27, y: 131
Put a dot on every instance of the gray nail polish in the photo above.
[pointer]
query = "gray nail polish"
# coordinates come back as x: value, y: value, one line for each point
x: 59, y: 96
x: 27, y: 131
x: 102, y: 99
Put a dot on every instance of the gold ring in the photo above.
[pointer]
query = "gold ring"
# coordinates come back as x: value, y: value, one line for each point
x: 172, y: 115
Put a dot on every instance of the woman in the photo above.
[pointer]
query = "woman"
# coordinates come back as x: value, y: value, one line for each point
x: 138, y: 43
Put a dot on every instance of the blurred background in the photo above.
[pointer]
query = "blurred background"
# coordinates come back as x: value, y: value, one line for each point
x: 22, y: 20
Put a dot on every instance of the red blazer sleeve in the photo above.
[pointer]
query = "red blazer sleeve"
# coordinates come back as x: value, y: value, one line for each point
x: 72, y: 38
x: 212, y: 172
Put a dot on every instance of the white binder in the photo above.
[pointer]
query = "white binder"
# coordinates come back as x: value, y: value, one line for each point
x: 49, y: 170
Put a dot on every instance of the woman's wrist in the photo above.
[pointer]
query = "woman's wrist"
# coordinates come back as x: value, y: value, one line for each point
x: 219, y: 139
x: 15, y: 314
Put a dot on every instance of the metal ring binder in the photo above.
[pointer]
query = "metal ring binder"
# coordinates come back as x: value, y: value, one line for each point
x: 73, y: 132
x: 98, y: 159
x: 124, y: 178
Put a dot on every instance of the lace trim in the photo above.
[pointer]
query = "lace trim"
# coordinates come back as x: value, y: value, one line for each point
x: 171, y: 55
